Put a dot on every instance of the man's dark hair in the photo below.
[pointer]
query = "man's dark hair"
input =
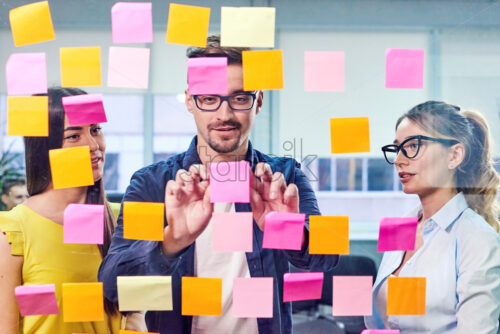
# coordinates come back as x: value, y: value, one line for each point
x: 214, y: 49
x: 9, y: 183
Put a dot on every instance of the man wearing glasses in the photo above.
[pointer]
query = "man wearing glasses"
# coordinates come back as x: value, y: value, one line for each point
x: 223, y: 126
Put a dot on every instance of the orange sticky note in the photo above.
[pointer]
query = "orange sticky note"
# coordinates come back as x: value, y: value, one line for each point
x: 201, y: 296
x: 28, y: 116
x: 406, y: 295
x: 262, y: 70
x: 350, y: 134
x: 71, y: 167
x: 188, y: 25
x: 328, y: 235
x: 31, y: 23
x: 80, y: 66
x: 82, y: 302
x: 123, y: 331
x: 143, y: 220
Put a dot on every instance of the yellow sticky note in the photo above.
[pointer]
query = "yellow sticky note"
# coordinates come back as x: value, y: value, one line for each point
x: 80, y: 66
x: 201, y: 296
x: 31, y: 23
x: 82, y: 302
x: 188, y: 25
x: 262, y: 70
x: 71, y: 167
x: 350, y: 134
x: 28, y: 116
x: 143, y: 220
x: 328, y: 235
x: 123, y: 331
x: 247, y: 26
x: 406, y: 295
x: 143, y: 293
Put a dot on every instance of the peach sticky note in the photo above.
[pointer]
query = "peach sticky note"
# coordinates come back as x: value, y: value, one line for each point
x: 84, y: 109
x: 328, y: 235
x: 82, y: 302
x: 201, y: 296
x: 71, y: 167
x: 324, y: 71
x: 230, y: 182
x: 84, y: 224
x: 80, y: 66
x: 283, y: 230
x: 247, y: 26
x: 143, y: 220
x: 406, y: 295
x: 232, y: 231
x: 28, y: 116
x: 397, y: 233
x: 128, y: 67
x: 352, y: 295
x: 144, y: 293
x: 36, y: 299
x: 350, y: 134
x: 188, y: 25
x: 132, y: 22
x: 404, y: 68
x: 302, y: 286
x: 262, y: 70
x: 26, y: 73
x: 207, y: 75
x: 380, y: 331
x: 31, y: 23
x: 253, y: 297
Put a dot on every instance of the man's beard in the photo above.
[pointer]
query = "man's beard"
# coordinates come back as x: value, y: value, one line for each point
x: 220, y: 147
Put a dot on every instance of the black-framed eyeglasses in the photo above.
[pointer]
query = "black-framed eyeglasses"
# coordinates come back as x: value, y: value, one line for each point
x: 237, y: 101
x: 411, y: 146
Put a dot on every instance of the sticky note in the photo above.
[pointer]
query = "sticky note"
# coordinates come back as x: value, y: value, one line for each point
x: 232, y: 231
x: 143, y: 220
x: 144, y: 293
x: 283, y: 230
x: 82, y: 302
x: 128, y: 67
x: 302, y: 286
x: 230, y: 182
x: 188, y: 25
x: 28, y: 116
x: 350, y: 135
x: 132, y: 22
x: 207, y: 75
x: 71, y: 167
x: 328, y: 235
x: 324, y: 71
x: 36, y: 299
x: 406, y: 295
x: 80, y: 66
x: 352, y: 295
x: 262, y: 70
x: 84, y: 224
x: 124, y: 331
x: 380, y: 331
x: 201, y: 296
x: 26, y: 73
x: 31, y: 23
x: 404, y: 68
x: 253, y: 297
x: 84, y: 109
x: 247, y: 26
x: 397, y: 233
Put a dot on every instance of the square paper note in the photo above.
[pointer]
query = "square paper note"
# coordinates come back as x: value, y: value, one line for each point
x: 328, y: 235
x: 230, y: 182
x: 71, y: 167
x: 350, y: 135
x: 262, y: 70
x: 37, y: 299
x: 324, y: 71
x: 143, y: 220
x: 128, y: 67
x: 406, y: 295
x: 283, y: 230
x: 84, y: 109
x: 247, y: 26
x: 26, y: 74
x: 397, y: 233
x: 132, y: 22
x: 188, y: 25
x: 84, y: 224
x: 201, y: 296
x: 253, y: 297
x: 80, y: 66
x: 352, y: 295
x: 28, y: 116
x: 207, y: 75
x: 302, y: 286
x: 232, y: 231
x: 82, y: 302
x: 404, y: 68
x: 144, y: 293
x: 31, y: 23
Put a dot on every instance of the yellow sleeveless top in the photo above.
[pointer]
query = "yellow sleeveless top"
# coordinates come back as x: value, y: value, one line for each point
x: 48, y: 260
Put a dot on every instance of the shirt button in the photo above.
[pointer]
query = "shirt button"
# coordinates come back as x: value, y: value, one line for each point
x: 428, y: 224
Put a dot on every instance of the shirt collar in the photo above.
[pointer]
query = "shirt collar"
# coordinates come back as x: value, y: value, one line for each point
x: 449, y: 213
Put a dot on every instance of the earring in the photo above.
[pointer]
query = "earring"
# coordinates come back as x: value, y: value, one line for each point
x: 451, y: 166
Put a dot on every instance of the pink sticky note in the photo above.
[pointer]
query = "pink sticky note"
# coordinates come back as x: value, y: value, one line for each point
x: 397, y: 233
x: 380, y: 331
x: 232, y: 231
x: 352, y: 295
x: 84, y: 224
x: 324, y: 71
x: 404, y: 68
x: 128, y: 67
x: 132, y: 22
x: 302, y: 286
x: 36, y: 299
x: 283, y: 230
x: 26, y: 74
x: 253, y: 297
x: 84, y: 109
x: 207, y: 75
x: 230, y: 182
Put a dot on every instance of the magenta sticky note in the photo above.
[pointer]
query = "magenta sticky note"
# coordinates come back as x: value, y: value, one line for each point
x: 283, y: 230
x: 352, y: 295
x: 128, y: 67
x: 232, y: 231
x: 302, y: 286
x: 84, y: 109
x: 253, y: 297
x: 397, y: 233
x: 26, y: 73
x: 207, y: 75
x: 36, y: 299
x: 324, y: 71
x: 132, y: 22
x: 84, y: 224
x: 404, y: 68
x: 230, y: 182
x: 380, y: 331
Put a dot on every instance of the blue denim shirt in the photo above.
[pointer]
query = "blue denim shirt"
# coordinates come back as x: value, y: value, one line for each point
x: 134, y: 257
